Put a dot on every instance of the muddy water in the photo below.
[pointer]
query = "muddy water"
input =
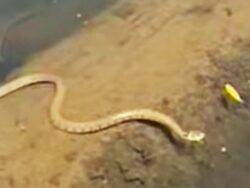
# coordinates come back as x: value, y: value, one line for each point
x: 165, y: 55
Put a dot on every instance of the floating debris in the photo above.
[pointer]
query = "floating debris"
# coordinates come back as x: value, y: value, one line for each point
x: 231, y: 94
x: 78, y: 15
x: 223, y: 149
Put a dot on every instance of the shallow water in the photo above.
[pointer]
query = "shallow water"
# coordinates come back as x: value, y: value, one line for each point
x: 165, y: 55
x: 30, y: 26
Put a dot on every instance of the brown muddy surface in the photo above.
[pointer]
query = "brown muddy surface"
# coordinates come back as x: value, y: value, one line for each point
x: 171, y: 56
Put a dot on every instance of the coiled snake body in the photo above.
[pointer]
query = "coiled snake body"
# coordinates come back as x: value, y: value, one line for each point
x: 100, y: 124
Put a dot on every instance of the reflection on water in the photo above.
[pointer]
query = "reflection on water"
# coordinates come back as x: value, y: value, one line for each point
x: 29, y: 26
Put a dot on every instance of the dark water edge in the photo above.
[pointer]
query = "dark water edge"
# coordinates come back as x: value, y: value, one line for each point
x: 30, y: 26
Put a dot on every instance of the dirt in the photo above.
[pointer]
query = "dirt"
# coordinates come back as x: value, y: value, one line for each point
x: 169, y: 56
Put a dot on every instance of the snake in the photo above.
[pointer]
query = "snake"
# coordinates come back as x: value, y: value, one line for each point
x: 100, y: 124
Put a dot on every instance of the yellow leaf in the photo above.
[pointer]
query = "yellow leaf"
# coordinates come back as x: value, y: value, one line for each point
x: 231, y: 93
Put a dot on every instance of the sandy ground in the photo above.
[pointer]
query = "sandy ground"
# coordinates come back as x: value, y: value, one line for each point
x: 163, y: 55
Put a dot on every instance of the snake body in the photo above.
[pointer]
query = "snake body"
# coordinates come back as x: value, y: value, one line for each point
x: 102, y: 123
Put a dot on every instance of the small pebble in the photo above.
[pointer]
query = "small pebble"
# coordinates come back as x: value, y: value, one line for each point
x: 21, y: 123
x: 85, y: 22
x: 22, y: 128
x: 106, y: 139
x: 78, y: 15
x: 223, y: 149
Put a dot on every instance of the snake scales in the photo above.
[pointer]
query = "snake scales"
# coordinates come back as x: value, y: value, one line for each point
x: 100, y: 124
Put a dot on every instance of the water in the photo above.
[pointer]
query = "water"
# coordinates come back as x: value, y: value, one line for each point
x: 27, y: 27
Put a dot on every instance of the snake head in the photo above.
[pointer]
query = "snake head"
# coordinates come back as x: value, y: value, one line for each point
x: 195, y: 136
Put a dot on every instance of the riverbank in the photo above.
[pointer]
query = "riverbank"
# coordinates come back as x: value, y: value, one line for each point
x: 169, y: 56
